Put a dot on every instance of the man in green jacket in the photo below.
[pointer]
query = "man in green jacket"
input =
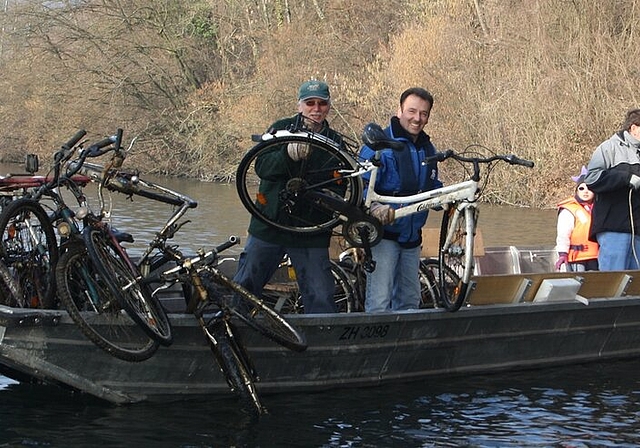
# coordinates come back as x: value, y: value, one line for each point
x: 266, y: 246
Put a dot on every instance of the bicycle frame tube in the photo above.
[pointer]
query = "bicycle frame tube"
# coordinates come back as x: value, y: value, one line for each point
x: 462, y: 191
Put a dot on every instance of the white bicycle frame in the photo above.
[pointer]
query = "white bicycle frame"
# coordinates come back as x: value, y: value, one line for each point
x: 461, y: 195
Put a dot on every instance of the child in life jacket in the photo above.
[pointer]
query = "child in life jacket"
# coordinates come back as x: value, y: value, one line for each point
x: 575, y: 251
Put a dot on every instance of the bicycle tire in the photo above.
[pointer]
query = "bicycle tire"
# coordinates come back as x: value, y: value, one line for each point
x: 430, y: 291
x: 456, y: 255
x: 10, y: 292
x: 29, y: 249
x: 253, y: 311
x: 97, y: 313
x: 292, y: 210
x: 135, y: 298
x: 289, y: 301
x: 234, y: 364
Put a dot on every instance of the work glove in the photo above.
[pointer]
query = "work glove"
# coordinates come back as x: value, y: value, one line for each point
x: 634, y: 182
x: 563, y: 258
x: 382, y: 212
x: 298, y: 151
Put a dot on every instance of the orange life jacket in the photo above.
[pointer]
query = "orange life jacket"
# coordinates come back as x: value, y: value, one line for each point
x: 580, y: 248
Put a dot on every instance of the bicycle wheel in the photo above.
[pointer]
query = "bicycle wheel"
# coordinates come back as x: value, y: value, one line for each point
x: 345, y: 294
x: 30, y: 251
x: 253, y: 311
x: 284, y: 194
x: 234, y: 364
x: 136, y: 299
x: 97, y: 312
x: 285, y: 297
x: 456, y: 254
x: 431, y: 296
x: 10, y: 292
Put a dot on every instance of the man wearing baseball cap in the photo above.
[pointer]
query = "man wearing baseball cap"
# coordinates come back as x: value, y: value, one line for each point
x: 266, y: 246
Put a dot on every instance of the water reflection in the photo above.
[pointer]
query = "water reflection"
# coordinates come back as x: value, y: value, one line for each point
x: 590, y: 405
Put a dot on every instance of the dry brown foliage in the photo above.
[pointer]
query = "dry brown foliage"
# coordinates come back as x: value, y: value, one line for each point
x: 545, y: 79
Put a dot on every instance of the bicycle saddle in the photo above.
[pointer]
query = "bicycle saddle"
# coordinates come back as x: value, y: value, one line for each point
x: 374, y: 137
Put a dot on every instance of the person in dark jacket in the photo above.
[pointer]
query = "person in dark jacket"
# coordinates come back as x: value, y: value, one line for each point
x: 614, y: 176
x: 394, y: 284
x: 266, y: 245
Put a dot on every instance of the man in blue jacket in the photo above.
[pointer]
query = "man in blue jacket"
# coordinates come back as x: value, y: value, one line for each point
x: 395, y: 284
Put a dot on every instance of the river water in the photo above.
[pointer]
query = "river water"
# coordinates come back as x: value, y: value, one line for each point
x: 578, y: 406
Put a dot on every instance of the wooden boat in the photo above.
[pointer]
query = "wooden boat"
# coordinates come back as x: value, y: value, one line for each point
x: 511, y: 321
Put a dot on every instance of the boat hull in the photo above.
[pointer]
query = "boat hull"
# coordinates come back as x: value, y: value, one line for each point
x: 345, y: 350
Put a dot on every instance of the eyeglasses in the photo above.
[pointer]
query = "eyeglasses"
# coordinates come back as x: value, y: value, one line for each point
x: 312, y: 103
x: 583, y: 189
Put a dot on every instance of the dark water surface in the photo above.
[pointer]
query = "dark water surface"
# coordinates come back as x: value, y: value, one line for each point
x: 581, y: 406
x: 578, y: 406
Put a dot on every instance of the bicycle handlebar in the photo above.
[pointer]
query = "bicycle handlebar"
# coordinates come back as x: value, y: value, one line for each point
x: 514, y: 160
x: 73, y: 141
x: 202, y: 260
x: 510, y: 158
x: 95, y: 150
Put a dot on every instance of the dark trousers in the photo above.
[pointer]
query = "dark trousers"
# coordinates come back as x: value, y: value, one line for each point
x: 260, y: 259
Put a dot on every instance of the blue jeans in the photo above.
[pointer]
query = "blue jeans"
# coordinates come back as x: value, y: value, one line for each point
x: 395, y: 283
x: 259, y: 261
x: 616, y: 252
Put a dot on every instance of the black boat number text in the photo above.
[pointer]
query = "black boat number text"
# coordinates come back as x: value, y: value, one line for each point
x: 368, y: 332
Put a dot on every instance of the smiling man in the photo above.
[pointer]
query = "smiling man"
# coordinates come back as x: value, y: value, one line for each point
x: 266, y: 245
x: 394, y: 284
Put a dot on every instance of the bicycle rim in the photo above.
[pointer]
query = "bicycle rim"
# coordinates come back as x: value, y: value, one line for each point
x: 30, y: 251
x: 272, y: 187
x: 93, y: 307
x: 136, y: 299
x: 455, y: 254
x: 430, y: 291
x: 255, y: 313
x: 345, y: 295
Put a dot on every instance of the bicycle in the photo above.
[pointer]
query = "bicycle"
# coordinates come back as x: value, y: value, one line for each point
x: 352, y: 263
x: 283, y: 295
x: 28, y: 243
x: 204, y: 286
x: 214, y: 299
x: 305, y: 190
x: 85, y: 287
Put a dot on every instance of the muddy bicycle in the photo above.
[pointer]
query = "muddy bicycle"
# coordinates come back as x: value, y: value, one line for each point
x: 213, y: 298
x: 127, y: 323
x: 309, y: 188
x: 28, y: 244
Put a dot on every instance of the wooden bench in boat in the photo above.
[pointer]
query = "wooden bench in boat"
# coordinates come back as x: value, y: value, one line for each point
x: 518, y: 288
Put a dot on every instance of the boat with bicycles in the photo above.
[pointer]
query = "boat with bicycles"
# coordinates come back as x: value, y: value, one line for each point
x: 510, y: 322
x: 518, y: 320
